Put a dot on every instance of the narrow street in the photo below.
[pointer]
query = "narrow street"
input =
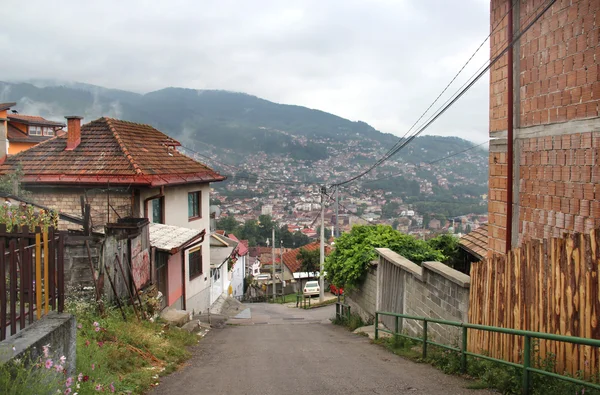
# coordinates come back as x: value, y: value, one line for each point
x: 282, y: 350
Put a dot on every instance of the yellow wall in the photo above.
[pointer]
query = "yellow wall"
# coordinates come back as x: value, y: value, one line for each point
x: 14, y: 148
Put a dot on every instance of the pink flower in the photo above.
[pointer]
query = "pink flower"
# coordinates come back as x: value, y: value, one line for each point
x: 48, y: 363
x: 96, y: 324
x: 87, y: 343
x: 112, y: 387
x: 97, y: 329
x: 63, y: 359
x: 46, y: 348
x: 98, y: 387
x: 69, y: 382
x: 80, y: 377
x: 93, y: 366
x: 67, y: 391
x: 100, y: 344
x: 79, y: 326
x: 59, y: 368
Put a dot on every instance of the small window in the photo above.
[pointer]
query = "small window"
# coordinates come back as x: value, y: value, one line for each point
x: 35, y: 130
x: 48, y: 131
x: 195, y: 262
x: 157, y: 211
x: 194, y: 205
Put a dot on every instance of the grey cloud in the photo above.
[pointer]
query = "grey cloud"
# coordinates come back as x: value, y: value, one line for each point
x: 380, y: 61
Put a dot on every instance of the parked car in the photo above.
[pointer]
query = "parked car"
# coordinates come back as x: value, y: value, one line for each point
x: 335, y: 290
x: 311, y: 288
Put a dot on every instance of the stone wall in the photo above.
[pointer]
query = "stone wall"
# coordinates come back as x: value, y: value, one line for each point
x: 57, y: 330
x: 68, y: 201
x: 432, y: 290
x: 363, y: 300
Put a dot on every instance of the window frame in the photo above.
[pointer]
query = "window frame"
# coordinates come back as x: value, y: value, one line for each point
x: 193, y: 274
x: 48, y: 131
x: 37, y: 128
x: 161, y: 212
x: 198, y: 207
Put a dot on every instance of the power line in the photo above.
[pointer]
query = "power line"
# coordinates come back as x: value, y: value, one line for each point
x: 429, y: 163
x: 401, y: 144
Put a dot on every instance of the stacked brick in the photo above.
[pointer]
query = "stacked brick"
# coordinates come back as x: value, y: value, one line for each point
x: 557, y: 69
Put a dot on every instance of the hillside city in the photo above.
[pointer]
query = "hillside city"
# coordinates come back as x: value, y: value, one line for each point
x: 413, y: 196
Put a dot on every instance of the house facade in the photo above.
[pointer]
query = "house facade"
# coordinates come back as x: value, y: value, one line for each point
x: 19, y: 132
x: 544, y: 121
x: 123, y: 169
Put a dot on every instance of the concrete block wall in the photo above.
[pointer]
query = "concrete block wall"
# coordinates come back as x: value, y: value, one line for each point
x: 432, y: 290
x: 68, y: 201
x: 363, y: 300
x: 556, y: 118
x: 441, y: 294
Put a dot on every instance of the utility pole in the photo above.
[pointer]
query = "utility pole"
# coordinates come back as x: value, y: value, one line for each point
x: 322, y: 255
x: 273, y: 267
x: 337, y: 213
x: 281, y: 265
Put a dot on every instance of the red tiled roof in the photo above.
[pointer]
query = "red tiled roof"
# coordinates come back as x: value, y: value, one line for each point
x: 111, y: 151
x: 6, y: 106
x: 32, y: 119
x: 476, y: 242
x: 293, y: 263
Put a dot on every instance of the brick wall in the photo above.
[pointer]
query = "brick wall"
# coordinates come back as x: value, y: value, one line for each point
x: 556, y: 107
x: 68, y: 201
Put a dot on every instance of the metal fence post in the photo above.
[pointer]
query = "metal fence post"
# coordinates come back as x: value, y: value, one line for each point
x: 425, y: 339
x: 463, y: 350
x: 376, y: 325
x: 526, y: 364
x: 348, y: 314
x: 396, y: 332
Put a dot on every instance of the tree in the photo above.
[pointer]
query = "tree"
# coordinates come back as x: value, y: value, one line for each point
x: 348, y: 263
x: 228, y: 224
x: 310, y: 260
x: 389, y: 209
x: 395, y: 224
x: 448, y: 245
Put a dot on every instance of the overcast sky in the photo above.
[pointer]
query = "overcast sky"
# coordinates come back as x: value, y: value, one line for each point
x: 379, y: 61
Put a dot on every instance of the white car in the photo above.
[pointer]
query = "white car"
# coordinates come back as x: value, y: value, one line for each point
x: 311, y: 288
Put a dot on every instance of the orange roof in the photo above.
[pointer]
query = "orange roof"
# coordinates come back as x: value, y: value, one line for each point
x: 476, y: 242
x: 32, y: 119
x: 293, y: 263
x: 111, y: 151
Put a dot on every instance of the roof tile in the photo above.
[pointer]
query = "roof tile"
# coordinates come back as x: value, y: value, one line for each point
x: 476, y: 241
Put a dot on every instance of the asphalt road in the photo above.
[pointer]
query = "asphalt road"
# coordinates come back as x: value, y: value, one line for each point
x: 282, y: 350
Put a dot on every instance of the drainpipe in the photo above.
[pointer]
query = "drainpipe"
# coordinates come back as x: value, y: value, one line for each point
x: 159, y: 195
x: 509, y: 129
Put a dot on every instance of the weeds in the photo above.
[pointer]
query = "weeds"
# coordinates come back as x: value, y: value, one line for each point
x: 352, y: 323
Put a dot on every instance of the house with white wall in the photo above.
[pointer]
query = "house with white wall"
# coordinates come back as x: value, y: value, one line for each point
x: 122, y: 169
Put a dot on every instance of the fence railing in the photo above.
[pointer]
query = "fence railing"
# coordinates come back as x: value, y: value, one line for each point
x: 526, y: 354
x: 32, y: 264
x: 342, y: 310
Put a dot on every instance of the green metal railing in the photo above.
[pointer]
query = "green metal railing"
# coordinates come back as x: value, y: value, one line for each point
x: 342, y: 310
x: 527, y: 335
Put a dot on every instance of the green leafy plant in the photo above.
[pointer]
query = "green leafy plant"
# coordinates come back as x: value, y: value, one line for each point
x: 348, y: 263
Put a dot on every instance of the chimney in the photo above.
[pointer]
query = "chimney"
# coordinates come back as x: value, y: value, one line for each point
x: 73, y: 132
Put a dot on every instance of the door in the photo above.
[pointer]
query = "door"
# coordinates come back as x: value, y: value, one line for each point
x: 216, y: 284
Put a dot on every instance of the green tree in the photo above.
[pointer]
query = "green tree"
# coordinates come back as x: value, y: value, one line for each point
x: 448, y: 245
x: 310, y: 260
x: 389, y: 209
x: 395, y: 224
x: 228, y: 224
x: 348, y: 263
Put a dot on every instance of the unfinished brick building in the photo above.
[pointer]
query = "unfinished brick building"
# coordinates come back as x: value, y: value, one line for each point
x: 545, y: 180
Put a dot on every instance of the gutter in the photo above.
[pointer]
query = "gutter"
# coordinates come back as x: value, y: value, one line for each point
x: 510, y: 133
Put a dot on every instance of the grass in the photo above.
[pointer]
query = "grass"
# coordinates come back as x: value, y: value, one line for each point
x: 355, y: 321
x: 129, y: 355
x: 289, y: 298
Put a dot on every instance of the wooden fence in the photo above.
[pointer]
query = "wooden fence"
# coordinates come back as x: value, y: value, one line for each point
x: 32, y: 264
x: 546, y: 286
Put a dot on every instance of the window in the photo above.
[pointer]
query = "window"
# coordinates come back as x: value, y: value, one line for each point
x: 194, y: 205
x: 157, y: 211
x: 35, y: 130
x: 195, y: 262
x: 48, y: 131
